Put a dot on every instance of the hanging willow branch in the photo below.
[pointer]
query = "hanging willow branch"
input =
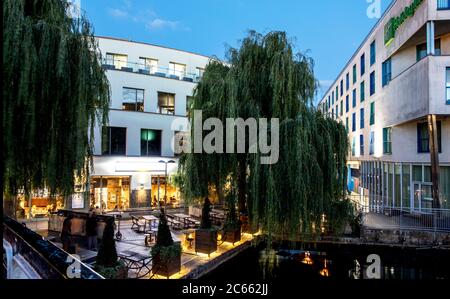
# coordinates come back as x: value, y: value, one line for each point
x: 265, y: 79
x: 54, y: 93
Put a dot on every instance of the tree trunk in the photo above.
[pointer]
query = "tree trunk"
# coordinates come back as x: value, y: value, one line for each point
x: 242, y: 186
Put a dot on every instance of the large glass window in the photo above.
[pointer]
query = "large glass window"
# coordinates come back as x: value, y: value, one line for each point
x: 150, y: 142
x: 199, y: 72
x: 177, y: 69
x: 363, y: 64
x: 361, y: 120
x: 423, y: 139
x: 386, y: 72
x: 372, y: 53
x: 444, y: 188
x: 166, y: 103
x: 372, y: 113
x: 406, y: 187
x: 132, y: 99
x: 114, y: 141
x: 397, y: 185
x: 362, y: 94
x: 372, y: 83
x: 117, y: 60
x: 421, y: 49
x: 447, y: 86
x: 148, y: 64
x: 417, y: 173
x: 387, y: 140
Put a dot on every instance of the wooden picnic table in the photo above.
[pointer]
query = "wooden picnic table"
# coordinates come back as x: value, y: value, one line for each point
x: 186, y: 219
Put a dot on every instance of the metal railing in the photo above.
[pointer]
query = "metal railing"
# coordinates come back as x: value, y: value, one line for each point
x: 443, y: 4
x: 379, y: 215
x: 134, y: 67
x: 48, y: 260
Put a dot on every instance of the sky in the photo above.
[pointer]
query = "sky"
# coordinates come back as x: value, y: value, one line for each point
x: 329, y: 31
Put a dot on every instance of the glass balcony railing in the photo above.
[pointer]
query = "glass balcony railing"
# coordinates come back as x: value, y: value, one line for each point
x: 133, y: 67
x: 443, y: 4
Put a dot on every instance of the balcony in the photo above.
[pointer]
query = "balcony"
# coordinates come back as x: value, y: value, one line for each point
x: 443, y: 4
x: 163, y: 72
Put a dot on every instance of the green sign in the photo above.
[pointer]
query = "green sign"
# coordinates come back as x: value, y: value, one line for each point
x: 391, y: 27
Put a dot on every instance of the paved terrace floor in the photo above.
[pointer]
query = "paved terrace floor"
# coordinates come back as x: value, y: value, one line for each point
x: 135, y: 242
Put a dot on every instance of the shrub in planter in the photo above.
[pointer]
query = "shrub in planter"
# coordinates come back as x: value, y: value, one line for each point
x: 206, y: 235
x: 166, y: 253
x: 232, y: 226
x: 107, y: 263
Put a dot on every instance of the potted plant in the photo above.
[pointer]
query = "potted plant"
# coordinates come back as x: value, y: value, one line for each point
x: 206, y: 235
x: 166, y: 253
x: 107, y: 263
x: 232, y: 226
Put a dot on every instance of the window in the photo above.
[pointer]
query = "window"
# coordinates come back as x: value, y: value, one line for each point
x: 423, y: 139
x: 353, y: 122
x: 421, y: 49
x: 177, y: 69
x: 342, y: 88
x: 118, y: 60
x: 133, y: 99
x: 386, y: 72
x: 354, y: 74
x: 346, y: 104
x: 346, y: 124
x: 149, y: 64
x: 337, y: 110
x: 372, y: 113
x: 189, y: 103
x: 329, y: 102
x: 347, y: 81
x: 387, y: 140
x: 166, y: 103
x: 337, y: 89
x: 342, y: 107
x: 362, y: 94
x: 372, y: 143
x: 332, y: 113
x: 443, y: 4
x: 354, y: 98
x: 372, y: 83
x: 361, y: 145
x: 332, y: 97
x: 353, y: 146
x: 199, y: 72
x: 114, y: 141
x: 362, y: 65
x: 372, y: 53
x: 447, y: 88
x: 361, y: 120
x: 150, y: 142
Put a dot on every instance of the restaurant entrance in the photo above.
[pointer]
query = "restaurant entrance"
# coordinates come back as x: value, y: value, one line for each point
x: 110, y: 193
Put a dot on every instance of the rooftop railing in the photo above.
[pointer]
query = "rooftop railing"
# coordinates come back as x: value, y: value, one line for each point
x: 134, y: 67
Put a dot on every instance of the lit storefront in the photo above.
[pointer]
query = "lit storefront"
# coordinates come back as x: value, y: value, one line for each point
x: 38, y: 205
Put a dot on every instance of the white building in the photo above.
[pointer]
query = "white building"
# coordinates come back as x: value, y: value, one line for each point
x: 396, y: 80
x: 150, y: 91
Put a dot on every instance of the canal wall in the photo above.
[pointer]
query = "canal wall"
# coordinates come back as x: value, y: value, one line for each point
x: 404, y: 237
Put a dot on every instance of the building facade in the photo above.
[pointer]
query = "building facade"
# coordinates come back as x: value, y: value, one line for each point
x: 134, y: 157
x: 392, y: 95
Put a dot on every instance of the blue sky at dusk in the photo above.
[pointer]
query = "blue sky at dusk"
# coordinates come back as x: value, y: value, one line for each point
x: 330, y: 30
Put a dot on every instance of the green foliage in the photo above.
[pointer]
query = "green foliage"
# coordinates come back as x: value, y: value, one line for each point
x: 54, y: 93
x: 164, y: 237
x: 107, y: 253
x: 111, y: 272
x: 167, y: 252
x: 265, y: 79
x: 206, y: 218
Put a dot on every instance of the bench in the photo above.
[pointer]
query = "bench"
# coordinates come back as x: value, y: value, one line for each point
x: 175, y: 223
x: 137, y: 224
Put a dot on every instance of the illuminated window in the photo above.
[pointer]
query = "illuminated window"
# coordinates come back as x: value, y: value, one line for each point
x: 150, y: 142
x: 133, y: 99
x: 166, y: 103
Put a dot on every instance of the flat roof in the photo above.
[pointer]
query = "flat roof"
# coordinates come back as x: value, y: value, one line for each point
x: 149, y: 44
x: 359, y: 48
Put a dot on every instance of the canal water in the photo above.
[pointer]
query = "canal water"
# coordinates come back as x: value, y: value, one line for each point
x: 335, y: 262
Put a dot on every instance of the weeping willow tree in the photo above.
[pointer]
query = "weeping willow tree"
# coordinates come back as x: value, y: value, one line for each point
x: 306, y: 188
x: 54, y: 93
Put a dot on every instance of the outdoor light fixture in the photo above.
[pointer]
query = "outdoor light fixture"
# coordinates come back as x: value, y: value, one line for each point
x: 325, y: 272
x: 307, y: 259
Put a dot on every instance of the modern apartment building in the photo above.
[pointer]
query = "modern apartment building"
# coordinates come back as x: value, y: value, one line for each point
x: 151, y: 88
x: 393, y: 96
